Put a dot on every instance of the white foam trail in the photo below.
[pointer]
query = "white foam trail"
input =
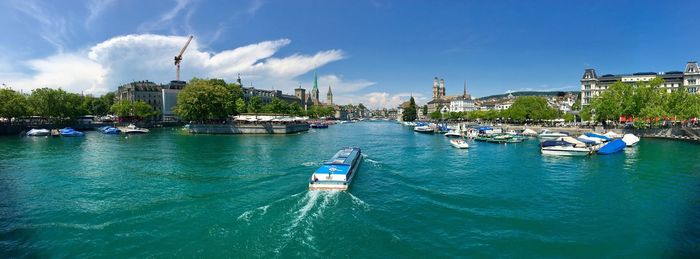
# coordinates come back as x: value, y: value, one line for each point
x: 247, y: 215
x: 304, y: 212
x: 358, y: 201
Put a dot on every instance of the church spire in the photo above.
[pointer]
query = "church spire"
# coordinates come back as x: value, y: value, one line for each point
x: 329, y: 96
x: 315, y: 81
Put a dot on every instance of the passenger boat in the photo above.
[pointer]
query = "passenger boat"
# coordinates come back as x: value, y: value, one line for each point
x: 549, y: 135
x: 612, y: 147
x: 110, y: 130
x: 630, y: 139
x: 38, y: 132
x: 337, y: 172
x: 459, y: 143
x: 132, y: 129
x: 562, y: 148
x: 318, y: 125
x: 70, y: 132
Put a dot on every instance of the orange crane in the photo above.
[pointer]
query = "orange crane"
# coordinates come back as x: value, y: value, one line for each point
x: 178, y: 58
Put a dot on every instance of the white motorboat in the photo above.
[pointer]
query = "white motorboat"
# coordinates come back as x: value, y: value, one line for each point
x: 565, y: 151
x: 529, y: 133
x: 549, y: 135
x: 424, y: 129
x: 452, y: 133
x: 612, y: 135
x: 459, y: 143
x: 38, y: 132
x: 630, y: 139
x: 596, y: 140
x: 132, y: 129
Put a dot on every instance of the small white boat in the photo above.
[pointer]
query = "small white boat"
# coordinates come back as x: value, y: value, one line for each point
x: 459, y: 143
x: 596, y: 140
x: 132, y: 129
x: 565, y: 151
x: 529, y: 133
x: 424, y: 129
x: 38, y: 132
x: 630, y: 139
x: 549, y: 135
x: 452, y: 133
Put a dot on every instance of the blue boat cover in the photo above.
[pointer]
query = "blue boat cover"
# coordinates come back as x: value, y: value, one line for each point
x: 551, y: 143
x: 612, y: 147
x: 593, y: 135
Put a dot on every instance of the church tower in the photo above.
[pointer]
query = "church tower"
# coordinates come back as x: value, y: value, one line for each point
x: 441, y: 93
x: 301, y: 94
x: 436, y: 88
x: 314, y: 91
x: 329, y: 96
x: 466, y: 95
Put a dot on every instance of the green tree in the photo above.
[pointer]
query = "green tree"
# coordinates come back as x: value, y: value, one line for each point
x: 436, y: 115
x: 255, y: 104
x: 204, y: 100
x: 121, y: 108
x: 279, y: 106
x: 568, y: 117
x: 295, y: 109
x: 527, y: 108
x: 13, y: 104
x: 56, y: 104
x: 240, y: 105
x: 425, y: 109
x: 410, y: 113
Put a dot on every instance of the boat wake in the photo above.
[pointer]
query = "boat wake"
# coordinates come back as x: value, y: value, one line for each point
x: 308, y: 209
x: 309, y: 164
x: 262, y: 210
x: 372, y: 162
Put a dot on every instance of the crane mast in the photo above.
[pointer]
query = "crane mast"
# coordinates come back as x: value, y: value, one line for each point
x: 178, y: 58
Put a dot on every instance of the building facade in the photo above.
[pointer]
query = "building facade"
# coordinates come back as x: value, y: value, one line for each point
x: 146, y: 91
x: 593, y: 85
x: 463, y: 103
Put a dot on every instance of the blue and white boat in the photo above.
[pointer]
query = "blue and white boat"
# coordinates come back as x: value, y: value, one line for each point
x: 337, y: 172
x: 111, y: 130
x: 70, y: 132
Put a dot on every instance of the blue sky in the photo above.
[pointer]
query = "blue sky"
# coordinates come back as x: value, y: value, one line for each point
x: 375, y: 52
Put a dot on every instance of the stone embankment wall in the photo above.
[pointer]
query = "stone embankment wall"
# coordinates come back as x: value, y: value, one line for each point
x: 253, y: 128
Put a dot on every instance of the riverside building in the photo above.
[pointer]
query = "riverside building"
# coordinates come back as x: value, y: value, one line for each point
x: 593, y: 85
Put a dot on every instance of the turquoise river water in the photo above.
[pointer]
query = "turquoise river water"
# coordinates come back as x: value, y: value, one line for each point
x: 170, y: 194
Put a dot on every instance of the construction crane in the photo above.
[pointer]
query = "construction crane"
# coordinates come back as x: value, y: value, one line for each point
x: 178, y: 58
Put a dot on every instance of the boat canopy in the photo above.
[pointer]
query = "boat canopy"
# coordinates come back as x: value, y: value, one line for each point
x: 593, y: 135
x: 573, y: 141
x: 343, y: 157
x: 587, y: 141
x: 551, y: 143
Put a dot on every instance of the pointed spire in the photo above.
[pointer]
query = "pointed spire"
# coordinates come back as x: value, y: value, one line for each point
x: 315, y: 81
x: 329, y: 89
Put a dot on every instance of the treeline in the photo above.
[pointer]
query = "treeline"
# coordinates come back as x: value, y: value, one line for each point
x: 56, y: 105
x: 524, y: 109
x: 647, y: 103
x: 214, y: 99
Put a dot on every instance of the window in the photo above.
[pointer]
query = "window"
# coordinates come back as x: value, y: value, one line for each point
x: 691, y: 81
x: 692, y: 90
x: 587, y: 87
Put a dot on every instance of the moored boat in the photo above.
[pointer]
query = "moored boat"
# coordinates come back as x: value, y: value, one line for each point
x: 567, y: 150
x: 453, y: 133
x: 612, y: 147
x: 70, y: 132
x: 38, y: 132
x: 110, y: 130
x: 424, y: 129
x: 598, y: 136
x: 318, y: 125
x: 459, y: 143
x: 630, y: 139
x: 549, y: 135
x: 337, y: 173
x: 132, y: 129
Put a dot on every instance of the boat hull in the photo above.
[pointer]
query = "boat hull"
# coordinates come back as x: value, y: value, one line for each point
x: 38, y: 133
x: 612, y: 147
x: 460, y: 145
x: 558, y: 151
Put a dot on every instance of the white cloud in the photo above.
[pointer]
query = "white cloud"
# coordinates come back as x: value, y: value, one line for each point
x: 122, y: 59
x: 339, y: 86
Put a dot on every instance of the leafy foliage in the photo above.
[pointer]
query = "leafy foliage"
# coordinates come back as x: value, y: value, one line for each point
x: 410, y: 112
x: 13, y: 104
x: 205, y: 100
